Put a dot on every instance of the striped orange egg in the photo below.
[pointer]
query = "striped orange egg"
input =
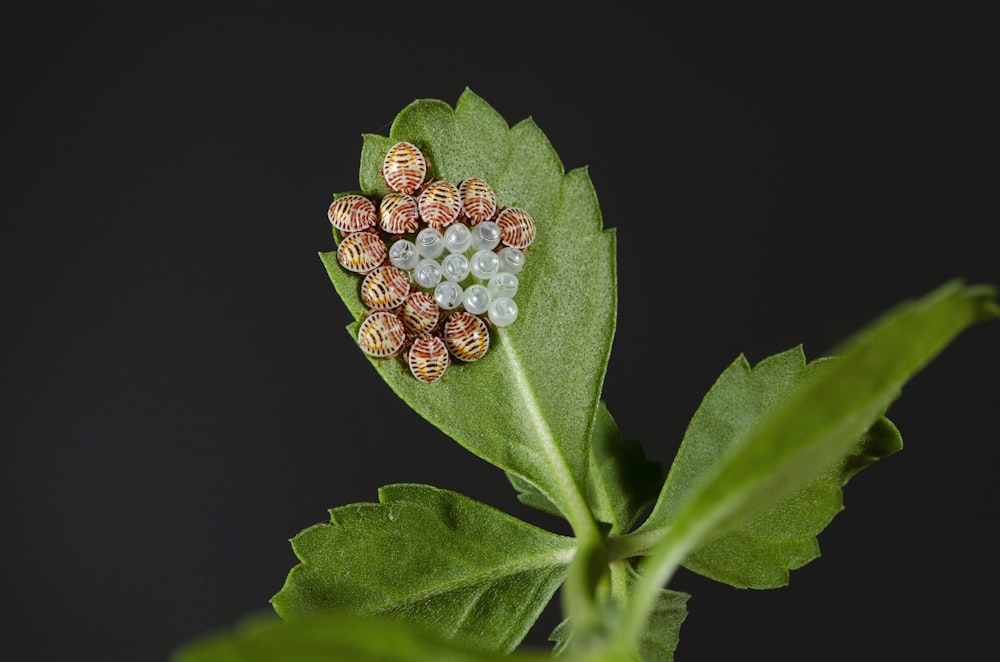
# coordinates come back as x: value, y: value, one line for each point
x: 420, y: 313
x: 428, y: 358
x: 517, y: 227
x: 361, y: 252
x: 398, y: 213
x: 385, y: 288
x: 381, y: 334
x: 439, y: 204
x: 466, y: 336
x: 479, y: 202
x: 404, y: 168
x: 352, y: 213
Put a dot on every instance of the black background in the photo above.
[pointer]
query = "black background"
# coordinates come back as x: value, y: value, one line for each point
x: 180, y: 396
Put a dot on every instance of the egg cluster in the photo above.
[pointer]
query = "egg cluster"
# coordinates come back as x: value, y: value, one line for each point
x: 438, y: 260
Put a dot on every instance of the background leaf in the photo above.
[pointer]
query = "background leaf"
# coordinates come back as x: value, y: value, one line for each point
x: 622, y: 481
x: 758, y: 553
x: 528, y: 405
x: 461, y: 569
x: 335, y: 638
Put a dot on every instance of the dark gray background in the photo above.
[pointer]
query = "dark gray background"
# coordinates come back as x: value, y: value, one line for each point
x: 180, y: 396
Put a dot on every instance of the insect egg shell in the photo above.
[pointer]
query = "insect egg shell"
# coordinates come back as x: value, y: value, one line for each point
x: 428, y: 358
x: 352, y: 213
x: 479, y: 202
x: 466, y: 336
x: 404, y: 168
x: 439, y: 204
x: 361, y: 252
x: 398, y: 214
x: 517, y: 227
x: 420, y: 313
x: 385, y: 288
x: 381, y: 334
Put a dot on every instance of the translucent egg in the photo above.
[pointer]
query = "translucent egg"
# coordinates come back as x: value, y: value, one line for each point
x: 430, y: 242
x: 503, y: 285
x: 427, y: 273
x: 511, y: 259
x: 502, y: 311
x: 485, y: 264
x: 403, y: 255
x: 476, y: 299
x: 457, y: 238
x: 485, y: 236
x: 448, y: 295
x: 455, y: 267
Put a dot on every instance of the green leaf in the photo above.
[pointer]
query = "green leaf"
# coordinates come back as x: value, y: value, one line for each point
x: 529, y: 495
x: 622, y: 481
x: 758, y: 553
x: 461, y: 569
x: 528, y: 405
x: 335, y: 638
x: 815, y: 425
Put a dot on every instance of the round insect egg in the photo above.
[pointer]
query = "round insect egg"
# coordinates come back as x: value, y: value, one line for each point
x: 457, y: 238
x: 485, y: 236
x: 503, y: 311
x: 476, y: 299
x: 404, y: 168
x: 484, y: 264
x: 385, y: 288
x: 427, y: 273
x: 420, y: 313
x: 429, y: 242
x: 517, y: 227
x: 398, y: 213
x: 503, y: 285
x: 361, y: 252
x: 511, y: 259
x: 439, y: 204
x: 448, y: 295
x: 479, y: 202
x: 381, y: 334
x: 466, y: 336
x: 352, y: 213
x: 455, y: 267
x: 403, y: 254
x: 428, y: 358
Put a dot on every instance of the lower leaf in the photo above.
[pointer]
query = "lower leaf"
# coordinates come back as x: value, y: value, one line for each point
x: 463, y: 570
x: 335, y: 638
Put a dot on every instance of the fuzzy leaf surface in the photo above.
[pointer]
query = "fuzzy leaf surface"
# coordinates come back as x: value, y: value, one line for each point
x: 760, y: 552
x: 462, y: 570
x: 528, y: 405
x: 817, y: 424
x: 335, y: 638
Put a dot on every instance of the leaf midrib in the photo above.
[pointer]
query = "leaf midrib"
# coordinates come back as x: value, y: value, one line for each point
x: 579, y: 513
x: 493, y: 573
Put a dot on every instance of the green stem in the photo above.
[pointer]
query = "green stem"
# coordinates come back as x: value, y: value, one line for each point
x: 655, y: 571
x: 637, y: 543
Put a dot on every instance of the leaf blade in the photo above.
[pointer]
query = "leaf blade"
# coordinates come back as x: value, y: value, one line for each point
x: 817, y: 424
x: 334, y: 638
x: 759, y: 553
x: 428, y: 556
x: 557, y: 350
